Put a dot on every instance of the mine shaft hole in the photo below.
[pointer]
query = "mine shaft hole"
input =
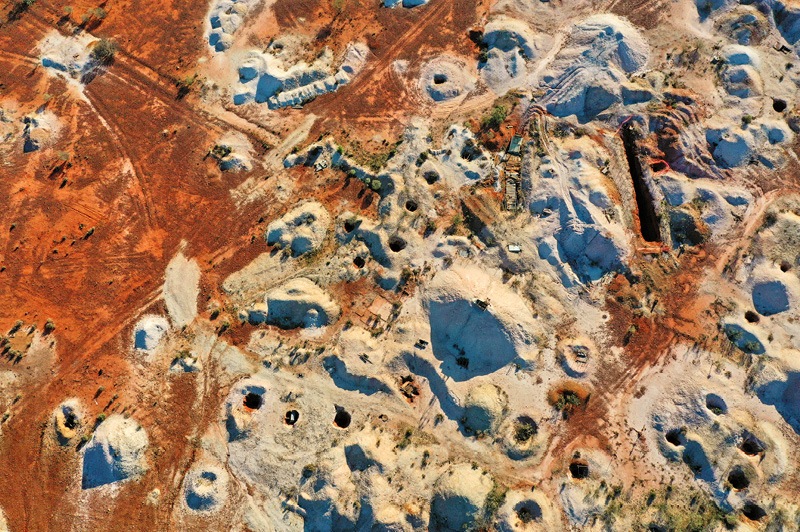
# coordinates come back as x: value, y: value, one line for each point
x: 752, y: 446
x: 397, y: 244
x: 411, y: 206
x: 291, y: 417
x: 675, y: 437
x: 342, y: 418
x: 359, y: 262
x: 716, y: 404
x: 579, y: 469
x: 751, y: 317
x: 753, y: 511
x: 350, y: 225
x: 431, y: 177
x: 778, y: 105
x: 738, y: 478
x: 70, y: 419
x: 253, y: 401
x: 438, y: 79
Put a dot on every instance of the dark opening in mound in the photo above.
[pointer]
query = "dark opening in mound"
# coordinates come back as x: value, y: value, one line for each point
x: 751, y: 317
x: 716, y: 404
x: 579, y: 469
x: 675, y: 437
x: 291, y: 417
x: 752, y: 446
x: 738, y: 479
x: 411, y: 206
x: 528, y: 511
x: 753, y: 511
x: 785, y: 266
x: 525, y: 429
x: 470, y: 151
x: 70, y: 419
x: 397, y: 244
x: 342, y: 418
x: 253, y: 401
x: 350, y: 225
x: 658, y: 166
x: 359, y: 262
x: 431, y: 177
x: 438, y: 79
x: 779, y: 105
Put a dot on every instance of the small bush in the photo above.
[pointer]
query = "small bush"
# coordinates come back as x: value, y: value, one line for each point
x: 496, y: 117
x: 104, y: 51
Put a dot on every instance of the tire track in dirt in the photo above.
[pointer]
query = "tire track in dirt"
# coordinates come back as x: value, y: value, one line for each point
x: 365, y: 80
x: 138, y: 172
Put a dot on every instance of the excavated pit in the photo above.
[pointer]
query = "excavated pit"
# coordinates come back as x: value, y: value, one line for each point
x: 291, y: 417
x: 716, y: 404
x: 525, y: 429
x: 738, y: 478
x: 342, y: 418
x: 752, y: 446
x: 350, y: 225
x: 753, y: 511
x: 70, y: 419
x: 658, y: 166
x: 253, y: 401
x: 675, y: 437
x: 528, y: 511
x: 397, y: 244
x: 579, y: 469
x: 648, y: 218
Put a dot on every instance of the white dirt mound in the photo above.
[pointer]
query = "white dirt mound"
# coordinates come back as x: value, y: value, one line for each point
x: 70, y: 56
x: 264, y: 78
x: 302, y: 229
x: 115, y: 452
x: 234, y: 152
x: 39, y: 130
x: 584, y: 79
x: 445, y: 78
x: 471, y: 340
x: 458, y: 499
x: 511, y: 44
x: 181, y: 288
x: 300, y: 303
x: 148, y: 332
x: 224, y: 19
x: 206, y: 488
x: 484, y: 408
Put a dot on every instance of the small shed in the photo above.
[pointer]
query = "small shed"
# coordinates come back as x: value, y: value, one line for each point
x: 515, y: 145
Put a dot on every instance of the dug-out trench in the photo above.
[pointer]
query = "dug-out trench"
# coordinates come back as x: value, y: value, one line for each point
x: 648, y: 218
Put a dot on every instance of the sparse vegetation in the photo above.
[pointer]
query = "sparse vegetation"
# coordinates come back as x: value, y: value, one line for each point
x: 104, y: 52
x: 495, y: 118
